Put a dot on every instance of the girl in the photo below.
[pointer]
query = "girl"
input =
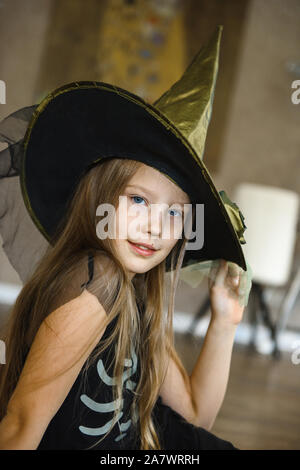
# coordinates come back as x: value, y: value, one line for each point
x: 91, y: 361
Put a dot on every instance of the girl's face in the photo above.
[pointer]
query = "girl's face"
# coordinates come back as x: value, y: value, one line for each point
x: 153, y: 214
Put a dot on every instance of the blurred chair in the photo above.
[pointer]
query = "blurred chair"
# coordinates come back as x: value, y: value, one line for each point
x: 271, y: 216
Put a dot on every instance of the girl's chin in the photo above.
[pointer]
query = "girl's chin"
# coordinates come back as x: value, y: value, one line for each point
x: 138, y: 266
x: 135, y: 268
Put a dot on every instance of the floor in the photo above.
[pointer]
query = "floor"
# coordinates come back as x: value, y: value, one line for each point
x: 261, y: 406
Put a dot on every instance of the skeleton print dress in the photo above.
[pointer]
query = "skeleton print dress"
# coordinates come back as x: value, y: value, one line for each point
x: 86, y: 414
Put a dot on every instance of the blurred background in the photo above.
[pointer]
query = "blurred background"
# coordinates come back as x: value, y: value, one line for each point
x: 252, y: 151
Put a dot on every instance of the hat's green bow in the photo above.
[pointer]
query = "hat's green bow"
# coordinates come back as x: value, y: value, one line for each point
x: 235, y: 215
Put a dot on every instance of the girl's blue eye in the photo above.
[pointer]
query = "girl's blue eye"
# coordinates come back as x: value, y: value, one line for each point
x: 137, y: 197
x: 179, y: 214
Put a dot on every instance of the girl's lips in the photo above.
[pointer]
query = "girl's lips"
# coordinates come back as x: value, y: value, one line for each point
x: 141, y: 251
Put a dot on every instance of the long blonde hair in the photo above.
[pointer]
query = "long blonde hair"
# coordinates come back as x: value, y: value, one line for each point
x: 61, y: 271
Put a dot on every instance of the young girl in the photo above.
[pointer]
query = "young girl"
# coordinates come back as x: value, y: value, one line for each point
x: 90, y: 359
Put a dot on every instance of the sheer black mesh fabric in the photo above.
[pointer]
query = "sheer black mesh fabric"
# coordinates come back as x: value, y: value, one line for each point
x: 22, y: 242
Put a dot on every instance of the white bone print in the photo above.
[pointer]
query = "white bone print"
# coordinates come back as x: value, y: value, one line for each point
x: 111, y: 406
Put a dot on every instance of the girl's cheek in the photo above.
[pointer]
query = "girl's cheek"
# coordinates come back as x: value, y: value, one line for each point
x: 176, y: 228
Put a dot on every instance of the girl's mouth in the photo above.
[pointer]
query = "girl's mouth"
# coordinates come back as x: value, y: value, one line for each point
x: 141, y: 250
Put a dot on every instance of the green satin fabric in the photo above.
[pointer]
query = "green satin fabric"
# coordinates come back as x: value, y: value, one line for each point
x: 188, y: 103
x: 235, y: 215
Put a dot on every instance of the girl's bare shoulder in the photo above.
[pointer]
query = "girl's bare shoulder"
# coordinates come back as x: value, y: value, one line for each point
x: 76, y: 306
x: 81, y: 311
x: 77, y: 297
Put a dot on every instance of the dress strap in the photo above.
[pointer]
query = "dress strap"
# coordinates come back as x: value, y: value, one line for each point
x: 90, y: 268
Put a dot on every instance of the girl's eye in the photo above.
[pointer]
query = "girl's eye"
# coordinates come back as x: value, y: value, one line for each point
x: 134, y: 198
x: 137, y: 197
x: 179, y: 214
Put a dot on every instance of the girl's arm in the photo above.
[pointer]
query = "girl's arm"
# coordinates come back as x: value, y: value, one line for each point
x: 210, y: 375
x: 60, y: 348
x: 198, y: 397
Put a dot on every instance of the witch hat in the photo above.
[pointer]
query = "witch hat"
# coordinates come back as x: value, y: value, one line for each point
x: 81, y: 124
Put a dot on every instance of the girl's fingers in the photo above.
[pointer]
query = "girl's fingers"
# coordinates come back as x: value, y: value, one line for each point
x: 233, y: 270
x: 243, y: 285
x: 234, y: 274
x: 221, y: 273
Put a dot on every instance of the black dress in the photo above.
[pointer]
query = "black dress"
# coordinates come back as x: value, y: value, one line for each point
x: 85, y: 415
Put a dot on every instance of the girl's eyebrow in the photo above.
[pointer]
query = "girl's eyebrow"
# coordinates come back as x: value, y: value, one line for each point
x: 149, y: 192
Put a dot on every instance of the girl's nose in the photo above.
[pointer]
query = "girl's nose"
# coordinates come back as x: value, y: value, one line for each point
x: 155, y: 222
x: 159, y: 221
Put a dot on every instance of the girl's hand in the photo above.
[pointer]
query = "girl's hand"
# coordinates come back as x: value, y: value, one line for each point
x: 224, y: 294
